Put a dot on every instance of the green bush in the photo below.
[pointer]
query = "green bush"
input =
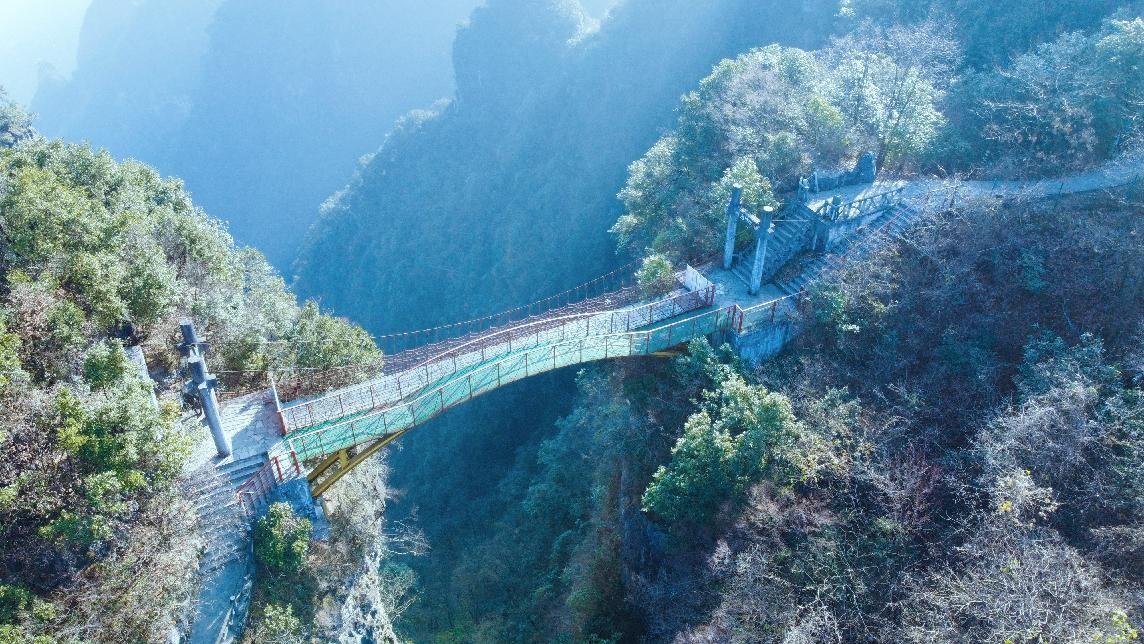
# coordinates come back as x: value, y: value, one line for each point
x: 279, y: 625
x: 744, y: 433
x: 656, y: 276
x: 87, y: 245
x: 16, y: 601
x: 281, y: 540
x: 106, y: 364
x: 148, y: 288
x: 65, y: 326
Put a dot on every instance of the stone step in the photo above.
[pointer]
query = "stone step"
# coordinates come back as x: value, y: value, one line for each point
x: 215, y: 562
x: 242, y: 476
x: 208, y: 511
x: 242, y: 468
x: 226, y: 508
x: 811, y: 270
x: 222, y: 551
x: 743, y: 271
x: 204, y: 485
x: 213, y: 485
x: 220, y: 546
x: 224, y: 531
x: 856, y: 244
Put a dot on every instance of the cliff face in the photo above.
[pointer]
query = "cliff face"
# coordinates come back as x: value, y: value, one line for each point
x: 293, y: 93
x: 137, y: 67
x: 364, y: 615
x: 366, y: 591
x: 507, y: 193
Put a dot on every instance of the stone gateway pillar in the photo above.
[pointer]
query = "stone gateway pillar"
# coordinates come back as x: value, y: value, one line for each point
x: 763, y: 237
x: 732, y: 226
x: 867, y: 168
x: 202, y: 385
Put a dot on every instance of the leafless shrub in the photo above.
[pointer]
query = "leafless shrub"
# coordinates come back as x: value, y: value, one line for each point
x: 137, y: 592
x: 1012, y: 584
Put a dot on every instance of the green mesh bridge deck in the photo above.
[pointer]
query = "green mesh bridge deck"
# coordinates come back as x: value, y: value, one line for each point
x: 453, y: 379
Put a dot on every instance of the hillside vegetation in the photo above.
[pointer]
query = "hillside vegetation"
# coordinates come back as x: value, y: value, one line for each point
x: 98, y: 256
x: 951, y: 450
x: 904, y: 92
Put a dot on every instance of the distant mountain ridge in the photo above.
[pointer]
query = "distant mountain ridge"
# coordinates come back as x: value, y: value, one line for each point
x: 262, y: 107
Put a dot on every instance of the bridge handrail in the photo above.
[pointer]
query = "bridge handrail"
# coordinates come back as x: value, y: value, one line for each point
x: 415, y: 355
x: 477, y: 341
x: 283, y: 459
x: 625, y: 272
x: 293, y: 421
x: 858, y: 207
x: 732, y: 313
x: 436, y: 357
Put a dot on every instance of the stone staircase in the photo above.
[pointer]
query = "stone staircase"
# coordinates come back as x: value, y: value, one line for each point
x: 219, y: 512
x: 793, y: 230
x: 855, y: 245
x: 226, y: 566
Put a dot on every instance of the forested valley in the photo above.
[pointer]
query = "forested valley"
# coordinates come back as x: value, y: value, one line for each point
x: 950, y: 449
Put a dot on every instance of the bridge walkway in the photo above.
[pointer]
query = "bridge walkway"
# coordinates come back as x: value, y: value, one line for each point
x: 614, y: 326
x: 477, y: 377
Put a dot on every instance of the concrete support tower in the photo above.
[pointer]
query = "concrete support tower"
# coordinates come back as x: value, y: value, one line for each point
x: 203, y: 385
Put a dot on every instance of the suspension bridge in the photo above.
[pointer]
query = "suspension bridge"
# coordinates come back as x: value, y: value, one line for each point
x: 750, y: 296
x: 748, y: 292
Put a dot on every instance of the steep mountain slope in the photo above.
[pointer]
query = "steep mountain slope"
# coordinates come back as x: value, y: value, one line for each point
x: 507, y: 192
x: 101, y: 260
x: 137, y: 66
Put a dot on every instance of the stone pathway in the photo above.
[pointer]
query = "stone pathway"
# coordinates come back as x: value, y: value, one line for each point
x: 1110, y: 175
x: 916, y: 196
x: 227, y: 564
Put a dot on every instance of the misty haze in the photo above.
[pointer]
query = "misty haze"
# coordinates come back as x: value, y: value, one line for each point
x: 578, y: 321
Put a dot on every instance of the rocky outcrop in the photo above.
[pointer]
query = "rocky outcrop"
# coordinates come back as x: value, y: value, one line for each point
x: 364, y: 614
x: 362, y: 607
